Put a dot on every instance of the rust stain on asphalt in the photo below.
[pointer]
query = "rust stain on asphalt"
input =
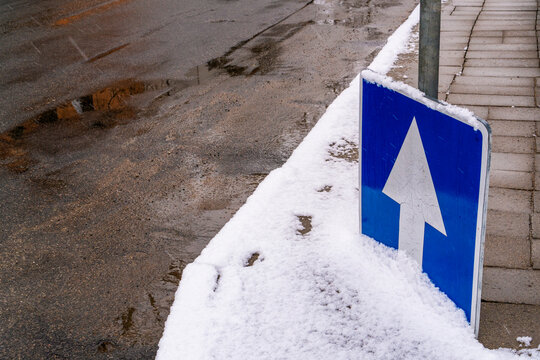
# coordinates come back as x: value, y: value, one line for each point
x: 90, y: 11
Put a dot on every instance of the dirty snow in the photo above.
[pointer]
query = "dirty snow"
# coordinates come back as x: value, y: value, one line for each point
x: 524, y: 340
x: 290, y: 277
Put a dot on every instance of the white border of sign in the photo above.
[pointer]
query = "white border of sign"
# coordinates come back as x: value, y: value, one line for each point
x: 477, y: 123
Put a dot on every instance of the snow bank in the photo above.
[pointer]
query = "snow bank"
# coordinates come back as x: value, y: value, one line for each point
x: 290, y: 277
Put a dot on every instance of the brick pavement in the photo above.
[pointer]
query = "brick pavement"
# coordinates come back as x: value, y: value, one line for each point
x: 489, y: 63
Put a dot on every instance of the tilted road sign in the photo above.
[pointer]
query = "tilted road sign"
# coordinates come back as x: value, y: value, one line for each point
x: 423, y: 178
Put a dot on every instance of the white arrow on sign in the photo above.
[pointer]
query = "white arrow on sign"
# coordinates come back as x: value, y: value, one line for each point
x: 410, y: 184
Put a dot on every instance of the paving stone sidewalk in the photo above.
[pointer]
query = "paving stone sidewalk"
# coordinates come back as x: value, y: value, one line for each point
x: 489, y: 63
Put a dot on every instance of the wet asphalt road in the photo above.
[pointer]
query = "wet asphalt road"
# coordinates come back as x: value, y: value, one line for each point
x: 131, y: 131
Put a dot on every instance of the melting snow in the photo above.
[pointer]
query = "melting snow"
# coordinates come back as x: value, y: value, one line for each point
x: 290, y: 277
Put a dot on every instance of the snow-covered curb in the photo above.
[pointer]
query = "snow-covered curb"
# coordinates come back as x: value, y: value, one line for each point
x: 396, y: 44
x: 290, y: 277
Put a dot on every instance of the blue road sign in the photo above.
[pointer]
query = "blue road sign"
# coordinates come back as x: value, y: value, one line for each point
x: 423, y: 185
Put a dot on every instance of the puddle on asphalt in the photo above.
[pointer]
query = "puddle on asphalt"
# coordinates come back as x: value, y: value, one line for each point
x: 51, y: 131
x: 258, y: 55
x: 74, y: 122
x: 103, y: 109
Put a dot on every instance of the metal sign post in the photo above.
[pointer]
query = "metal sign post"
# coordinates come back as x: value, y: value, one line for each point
x: 428, y: 58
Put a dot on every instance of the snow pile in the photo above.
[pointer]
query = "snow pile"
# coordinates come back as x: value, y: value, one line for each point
x: 290, y: 277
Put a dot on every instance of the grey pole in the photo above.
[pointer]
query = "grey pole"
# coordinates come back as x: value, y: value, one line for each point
x: 430, y: 35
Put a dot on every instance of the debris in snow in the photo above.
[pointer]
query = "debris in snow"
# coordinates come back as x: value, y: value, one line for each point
x: 524, y: 340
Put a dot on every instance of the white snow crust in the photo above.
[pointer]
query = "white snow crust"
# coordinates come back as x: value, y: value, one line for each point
x: 418, y: 95
x: 318, y: 289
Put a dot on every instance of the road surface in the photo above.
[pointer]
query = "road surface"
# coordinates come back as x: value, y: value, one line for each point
x: 131, y: 131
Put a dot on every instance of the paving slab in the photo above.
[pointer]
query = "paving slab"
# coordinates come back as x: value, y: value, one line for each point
x: 487, y: 33
x: 502, y: 63
x: 535, y: 222
x: 509, y: 113
x: 507, y: 252
x: 506, y: 2
x: 449, y: 70
x: 466, y: 10
x: 501, y: 324
x: 512, y: 128
x: 513, y: 144
x: 502, y: 27
x: 512, y: 162
x: 451, y: 61
x: 460, y: 54
x: 511, y: 8
x: 493, y: 81
x: 455, y: 27
x: 444, y: 82
x: 519, y: 33
x: 501, y: 54
x: 537, y: 187
x: 507, y: 15
x: 520, y: 40
x: 507, y: 223
x: 464, y: 16
x: 457, y: 34
x: 453, y: 45
x: 535, y: 253
x: 507, y: 233
x: 502, y: 71
x: 511, y: 179
x: 452, y: 38
x: 458, y: 21
x: 536, y: 196
x: 480, y: 111
x: 492, y: 90
x: 464, y: 5
x: 503, y: 21
x: 490, y: 100
x: 502, y: 47
x: 537, y: 162
x: 486, y: 40
x: 511, y: 200
x: 511, y: 285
